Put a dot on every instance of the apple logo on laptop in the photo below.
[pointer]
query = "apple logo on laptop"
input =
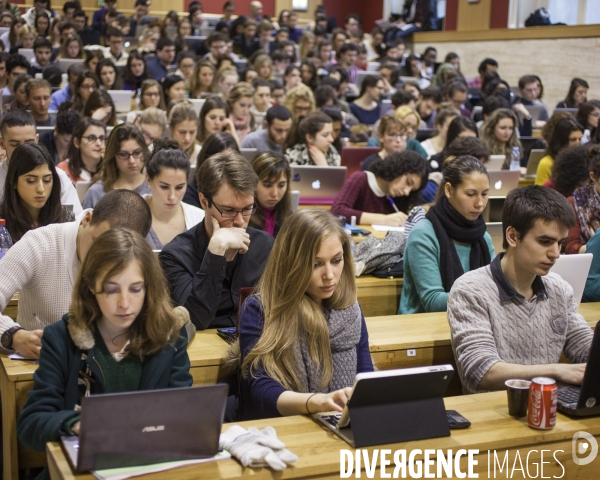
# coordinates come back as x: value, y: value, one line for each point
x: 498, y: 185
x: 316, y: 184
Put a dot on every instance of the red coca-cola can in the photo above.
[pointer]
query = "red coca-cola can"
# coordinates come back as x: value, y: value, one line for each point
x: 543, y: 394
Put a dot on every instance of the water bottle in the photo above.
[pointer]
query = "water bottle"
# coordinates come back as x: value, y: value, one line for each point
x: 515, y: 159
x: 5, y: 240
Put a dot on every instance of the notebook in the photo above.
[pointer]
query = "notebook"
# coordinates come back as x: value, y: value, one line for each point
x: 317, y: 185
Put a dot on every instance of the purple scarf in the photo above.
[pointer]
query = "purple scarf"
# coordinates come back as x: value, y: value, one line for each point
x: 587, y: 208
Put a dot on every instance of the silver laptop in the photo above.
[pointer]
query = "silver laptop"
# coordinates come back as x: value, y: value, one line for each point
x: 373, y: 66
x: 65, y: 63
x: 495, y: 162
x: 249, y: 153
x: 121, y: 99
x: 574, y: 270
x: 82, y: 188
x: 572, y: 111
x: 27, y: 53
x: 386, y: 105
x: 502, y: 182
x: 534, y: 160
x: 153, y: 427
x: 197, y: 103
x: 534, y: 111
x: 494, y: 230
x: 317, y: 185
x: 361, y: 75
x: 295, y: 200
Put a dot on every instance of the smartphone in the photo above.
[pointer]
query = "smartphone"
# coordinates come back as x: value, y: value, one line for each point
x: 456, y: 420
x: 227, y: 334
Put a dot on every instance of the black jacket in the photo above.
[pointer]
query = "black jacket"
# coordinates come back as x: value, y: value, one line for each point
x: 47, y: 138
x: 197, y: 278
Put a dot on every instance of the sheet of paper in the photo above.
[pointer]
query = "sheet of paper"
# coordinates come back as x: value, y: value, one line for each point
x: 18, y: 356
x: 128, y: 472
x: 387, y: 228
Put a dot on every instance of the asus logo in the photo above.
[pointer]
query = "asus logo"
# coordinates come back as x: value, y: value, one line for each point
x: 158, y: 428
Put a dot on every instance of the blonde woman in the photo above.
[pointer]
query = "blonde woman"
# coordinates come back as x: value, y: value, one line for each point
x: 26, y: 37
x: 226, y: 80
x: 263, y: 66
x: 303, y: 337
x: 72, y: 48
x: 308, y: 43
x: 240, y: 100
x: 203, y: 80
x: 152, y: 122
x: 183, y: 126
x: 300, y: 101
x: 499, y: 132
x: 151, y: 96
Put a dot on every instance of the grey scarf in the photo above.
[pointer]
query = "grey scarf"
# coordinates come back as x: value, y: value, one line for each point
x: 344, y: 335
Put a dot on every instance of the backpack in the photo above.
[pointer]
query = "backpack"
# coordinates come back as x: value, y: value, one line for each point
x: 372, y: 254
x: 538, y: 18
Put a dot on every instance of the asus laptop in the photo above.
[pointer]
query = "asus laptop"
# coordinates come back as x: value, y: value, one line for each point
x: 147, y: 427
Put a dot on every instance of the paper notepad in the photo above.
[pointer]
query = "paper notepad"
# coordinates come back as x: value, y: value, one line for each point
x: 387, y: 228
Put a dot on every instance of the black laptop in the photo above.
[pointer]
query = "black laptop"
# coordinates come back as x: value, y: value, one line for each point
x: 143, y: 428
x: 584, y: 401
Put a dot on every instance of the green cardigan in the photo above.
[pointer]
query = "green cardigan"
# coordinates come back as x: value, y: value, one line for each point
x: 423, y: 290
x: 56, y: 393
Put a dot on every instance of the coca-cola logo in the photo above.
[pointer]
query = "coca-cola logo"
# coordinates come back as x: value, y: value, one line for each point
x: 536, y: 404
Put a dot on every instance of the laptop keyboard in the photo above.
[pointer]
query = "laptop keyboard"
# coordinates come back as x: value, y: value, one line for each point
x: 333, y: 419
x: 568, y: 396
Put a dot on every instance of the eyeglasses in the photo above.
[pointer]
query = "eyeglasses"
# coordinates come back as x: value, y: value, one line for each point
x: 94, y: 138
x: 88, y: 86
x: 151, y: 94
x: 137, y: 154
x: 232, y: 213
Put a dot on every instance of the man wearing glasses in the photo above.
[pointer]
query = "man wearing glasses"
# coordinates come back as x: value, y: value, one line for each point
x: 208, y: 265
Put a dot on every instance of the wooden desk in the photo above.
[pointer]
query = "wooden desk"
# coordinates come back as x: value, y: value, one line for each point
x: 319, y: 450
x: 12, y: 307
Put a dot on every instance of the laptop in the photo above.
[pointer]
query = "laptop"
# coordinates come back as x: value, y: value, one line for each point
x: 27, y: 53
x: 295, y: 200
x: 249, y: 153
x: 121, y: 99
x: 502, y: 182
x: 373, y: 66
x: 534, y: 111
x: 574, y: 270
x: 65, y: 63
x: 495, y: 162
x: 393, y: 406
x: 197, y: 103
x: 572, y: 111
x: 386, y: 106
x: 582, y: 401
x: 317, y: 185
x: 494, y: 230
x: 82, y: 188
x: 361, y: 75
x: 534, y: 160
x: 147, y: 427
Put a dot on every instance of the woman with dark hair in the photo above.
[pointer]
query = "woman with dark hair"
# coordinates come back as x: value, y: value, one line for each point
x: 273, y: 196
x: 566, y: 133
x: 337, y: 117
x: 450, y: 241
x: 92, y: 59
x: 459, y: 127
x: 366, y: 108
x: 32, y: 192
x: 135, y: 71
x: 214, y: 117
x: 108, y: 75
x: 413, y: 67
x: 586, y: 203
x: 21, y: 101
x: 221, y: 142
x: 122, y: 166
x: 308, y: 72
x: 310, y: 142
x: 100, y: 106
x: 166, y: 173
x: 42, y: 24
x: 577, y: 94
x: 390, y: 185
x: 10, y: 38
x: 85, y: 150
x: 173, y: 88
x: 292, y: 77
x: 570, y: 171
x: 587, y: 116
x: 86, y: 83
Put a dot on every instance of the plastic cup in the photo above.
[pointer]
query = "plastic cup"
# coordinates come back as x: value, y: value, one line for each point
x: 518, y: 397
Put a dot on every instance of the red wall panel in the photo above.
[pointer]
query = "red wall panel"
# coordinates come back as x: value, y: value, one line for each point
x: 451, y: 15
x: 242, y: 6
x: 369, y: 11
x: 499, y: 14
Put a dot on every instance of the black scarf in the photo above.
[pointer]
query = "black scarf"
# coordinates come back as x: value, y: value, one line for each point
x: 450, y: 225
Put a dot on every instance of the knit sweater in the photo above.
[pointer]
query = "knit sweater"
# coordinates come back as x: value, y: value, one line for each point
x: 42, y: 267
x: 491, y: 322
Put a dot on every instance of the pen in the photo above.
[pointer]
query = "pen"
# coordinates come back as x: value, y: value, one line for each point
x: 38, y: 321
x: 393, y: 204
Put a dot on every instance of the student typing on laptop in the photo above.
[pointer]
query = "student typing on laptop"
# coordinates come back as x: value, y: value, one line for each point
x: 121, y: 334
x: 513, y: 319
x: 303, y: 337
x: 207, y: 265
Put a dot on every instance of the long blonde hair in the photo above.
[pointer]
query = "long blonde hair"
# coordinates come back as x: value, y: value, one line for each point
x: 489, y: 137
x: 288, y: 311
x: 109, y: 255
x: 195, y: 89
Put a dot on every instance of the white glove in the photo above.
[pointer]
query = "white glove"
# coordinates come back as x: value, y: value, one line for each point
x: 254, y: 448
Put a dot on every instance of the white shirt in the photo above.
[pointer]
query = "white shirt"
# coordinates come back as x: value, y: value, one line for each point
x: 373, y: 185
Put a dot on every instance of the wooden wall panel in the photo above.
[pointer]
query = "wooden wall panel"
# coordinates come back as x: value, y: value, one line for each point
x: 473, y: 16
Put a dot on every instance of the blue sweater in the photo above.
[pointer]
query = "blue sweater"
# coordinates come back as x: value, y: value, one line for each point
x: 423, y: 290
x: 258, y: 396
x: 591, y: 293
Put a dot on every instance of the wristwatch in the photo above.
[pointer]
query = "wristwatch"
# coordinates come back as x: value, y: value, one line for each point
x: 7, y: 337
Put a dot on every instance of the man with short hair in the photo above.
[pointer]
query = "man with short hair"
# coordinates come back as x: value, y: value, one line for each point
x: 281, y: 61
x: 347, y: 60
x: 43, y: 266
x: 98, y: 18
x: 79, y: 20
x: 265, y: 28
x: 529, y: 91
x: 256, y: 11
x: 69, y: 9
x: 42, y: 49
x: 66, y: 94
x: 18, y: 127
x: 431, y: 97
x: 207, y: 265
x: 6, y: 19
x: 38, y: 92
x: 16, y: 65
x: 456, y: 94
x: 278, y: 123
x: 351, y: 23
x: 246, y: 43
x: 115, y: 49
x: 39, y: 7
x: 487, y: 65
x: 67, y: 30
x: 512, y: 318
x: 57, y: 141
x: 217, y: 47
x: 158, y: 66
x: 139, y: 16
x: 295, y: 32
